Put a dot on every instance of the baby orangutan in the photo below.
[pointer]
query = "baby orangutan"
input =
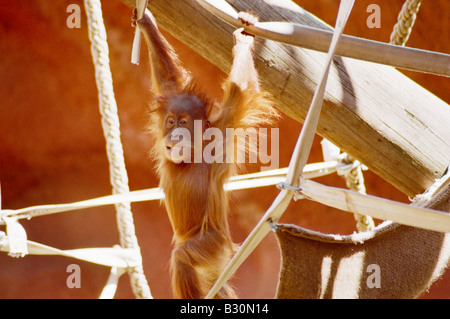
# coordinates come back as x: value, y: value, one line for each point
x: 194, y: 195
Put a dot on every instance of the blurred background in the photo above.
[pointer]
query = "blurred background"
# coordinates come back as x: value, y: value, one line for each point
x: 52, y: 148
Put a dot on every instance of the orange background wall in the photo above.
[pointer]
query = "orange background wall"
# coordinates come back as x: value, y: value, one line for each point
x: 52, y: 148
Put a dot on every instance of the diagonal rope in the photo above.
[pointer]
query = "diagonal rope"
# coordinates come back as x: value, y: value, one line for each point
x: 405, y: 22
x: 111, y: 130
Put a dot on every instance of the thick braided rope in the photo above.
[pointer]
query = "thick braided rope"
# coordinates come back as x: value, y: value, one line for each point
x: 111, y: 130
x: 354, y: 180
x: 406, y: 19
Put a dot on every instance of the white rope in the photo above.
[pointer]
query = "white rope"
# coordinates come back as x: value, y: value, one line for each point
x: 406, y: 19
x: 352, y: 47
x: 110, y: 124
x: 352, y: 172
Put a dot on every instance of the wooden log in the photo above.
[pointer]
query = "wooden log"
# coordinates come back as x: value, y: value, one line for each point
x: 373, y: 112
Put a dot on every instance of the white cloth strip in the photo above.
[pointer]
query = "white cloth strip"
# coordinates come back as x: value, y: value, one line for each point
x: 112, y: 257
x: 260, y: 179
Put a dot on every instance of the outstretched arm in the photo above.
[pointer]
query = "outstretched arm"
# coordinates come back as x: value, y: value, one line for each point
x: 243, y: 72
x: 167, y: 74
x: 244, y: 104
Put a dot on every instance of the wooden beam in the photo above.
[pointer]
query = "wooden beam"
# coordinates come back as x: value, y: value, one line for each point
x: 312, y: 38
x: 373, y: 112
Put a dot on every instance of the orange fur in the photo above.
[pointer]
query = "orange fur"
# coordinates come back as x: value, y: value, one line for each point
x: 195, y: 200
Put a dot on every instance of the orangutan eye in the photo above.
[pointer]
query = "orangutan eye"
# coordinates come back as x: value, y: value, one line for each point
x: 170, y: 122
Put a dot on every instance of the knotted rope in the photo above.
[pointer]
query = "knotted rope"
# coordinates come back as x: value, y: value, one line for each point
x: 111, y: 130
x: 354, y: 180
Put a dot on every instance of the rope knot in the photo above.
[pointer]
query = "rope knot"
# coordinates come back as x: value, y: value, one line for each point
x: 284, y: 185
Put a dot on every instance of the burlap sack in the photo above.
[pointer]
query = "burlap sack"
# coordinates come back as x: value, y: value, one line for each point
x: 392, y: 261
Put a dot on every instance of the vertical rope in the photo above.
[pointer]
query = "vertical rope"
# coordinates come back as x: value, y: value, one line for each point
x: 405, y: 22
x: 354, y: 180
x: 111, y: 130
x: 351, y: 170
